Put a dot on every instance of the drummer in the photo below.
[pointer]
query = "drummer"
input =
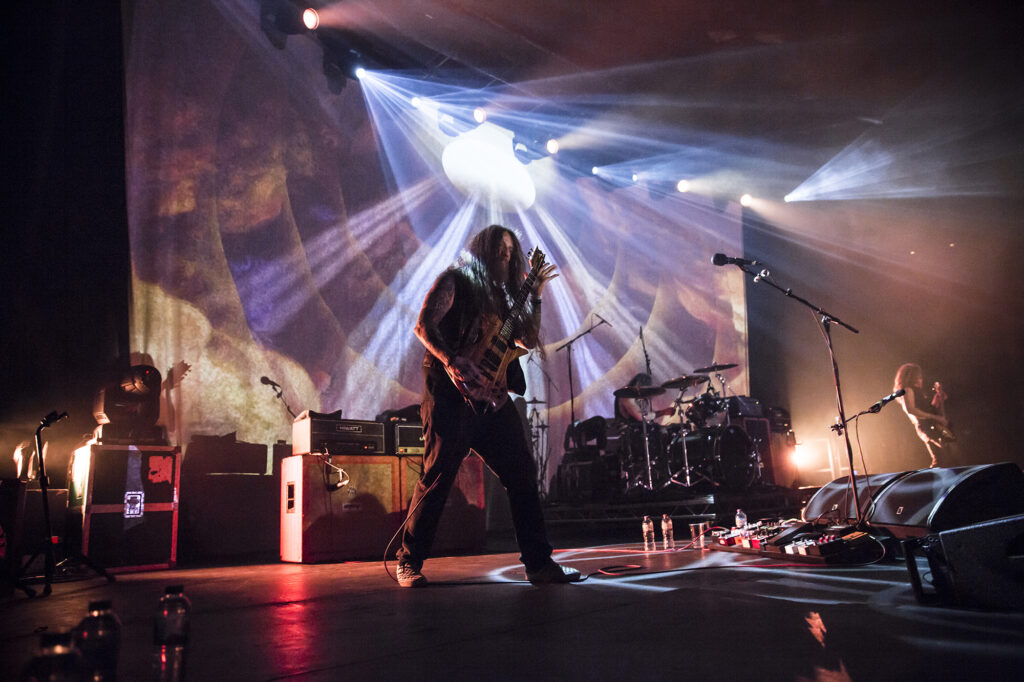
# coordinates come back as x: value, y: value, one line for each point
x: 627, y: 410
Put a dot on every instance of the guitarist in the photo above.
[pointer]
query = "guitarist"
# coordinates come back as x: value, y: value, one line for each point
x: 926, y: 413
x: 465, y: 303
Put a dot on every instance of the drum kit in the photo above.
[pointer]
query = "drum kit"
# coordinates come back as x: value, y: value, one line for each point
x: 702, y: 449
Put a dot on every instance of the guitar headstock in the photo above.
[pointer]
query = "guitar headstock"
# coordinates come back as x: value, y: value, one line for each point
x: 536, y: 258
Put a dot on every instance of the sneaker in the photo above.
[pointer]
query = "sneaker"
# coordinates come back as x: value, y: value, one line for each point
x: 408, y: 576
x: 552, y: 573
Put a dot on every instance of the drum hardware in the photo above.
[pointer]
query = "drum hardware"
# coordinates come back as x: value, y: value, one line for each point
x: 538, y: 441
x: 680, y: 437
x: 643, y: 395
x: 715, y: 368
x: 686, y: 381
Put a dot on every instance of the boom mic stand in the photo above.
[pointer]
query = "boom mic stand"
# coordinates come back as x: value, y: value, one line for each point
x: 825, y: 320
x: 568, y: 356
x: 49, y: 561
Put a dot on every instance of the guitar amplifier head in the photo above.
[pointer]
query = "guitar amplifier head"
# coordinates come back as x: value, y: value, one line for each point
x: 326, y: 433
x: 409, y: 439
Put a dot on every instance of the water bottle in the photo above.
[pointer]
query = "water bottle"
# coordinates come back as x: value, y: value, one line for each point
x: 648, y: 528
x: 170, y: 634
x: 741, y: 519
x: 667, y: 535
x: 57, y: 659
x: 98, y: 638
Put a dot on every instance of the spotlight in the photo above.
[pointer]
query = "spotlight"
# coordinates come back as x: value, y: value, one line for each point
x: 683, y: 186
x: 360, y: 72
x: 416, y: 102
x: 532, y: 146
x: 454, y: 121
x: 593, y: 170
x: 634, y: 177
x: 280, y: 19
x: 310, y: 19
x: 746, y: 200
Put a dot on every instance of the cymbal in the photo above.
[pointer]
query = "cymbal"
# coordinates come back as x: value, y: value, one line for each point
x: 685, y: 381
x: 715, y: 368
x: 637, y: 392
x: 535, y: 401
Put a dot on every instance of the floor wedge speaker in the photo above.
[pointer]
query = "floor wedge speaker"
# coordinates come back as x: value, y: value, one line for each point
x: 935, y: 500
x: 834, y: 503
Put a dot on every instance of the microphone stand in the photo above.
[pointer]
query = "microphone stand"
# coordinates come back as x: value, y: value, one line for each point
x: 568, y: 356
x: 825, y: 320
x: 279, y: 392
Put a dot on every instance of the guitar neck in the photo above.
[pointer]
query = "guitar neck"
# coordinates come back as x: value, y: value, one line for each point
x: 518, y: 304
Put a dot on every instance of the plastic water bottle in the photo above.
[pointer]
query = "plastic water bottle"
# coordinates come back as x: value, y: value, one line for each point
x: 98, y: 638
x: 741, y: 519
x: 170, y: 634
x: 667, y: 535
x: 648, y: 528
x: 56, y: 660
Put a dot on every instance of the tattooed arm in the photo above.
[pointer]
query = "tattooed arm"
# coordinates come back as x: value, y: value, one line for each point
x: 435, y: 306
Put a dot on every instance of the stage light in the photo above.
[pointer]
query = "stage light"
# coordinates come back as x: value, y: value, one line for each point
x: 800, y: 457
x: 416, y: 102
x: 280, y: 19
x: 593, y: 171
x: 552, y: 146
x: 454, y: 121
x: 746, y: 200
x: 310, y: 18
x: 634, y: 177
x: 683, y: 186
x: 360, y: 72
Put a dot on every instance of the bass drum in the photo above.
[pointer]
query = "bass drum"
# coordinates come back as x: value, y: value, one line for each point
x: 725, y: 454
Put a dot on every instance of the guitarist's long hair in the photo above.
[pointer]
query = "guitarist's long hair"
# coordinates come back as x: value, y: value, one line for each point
x: 906, y: 376
x: 484, y: 247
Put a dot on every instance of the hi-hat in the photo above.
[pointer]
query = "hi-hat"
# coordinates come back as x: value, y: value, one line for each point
x: 715, y: 368
x: 638, y: 392
x: 685, y: 381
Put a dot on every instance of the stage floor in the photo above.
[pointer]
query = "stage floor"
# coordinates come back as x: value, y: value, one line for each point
x: 684, y: 614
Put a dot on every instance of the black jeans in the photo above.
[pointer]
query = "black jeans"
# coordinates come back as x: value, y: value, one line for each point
x: 450, y: 430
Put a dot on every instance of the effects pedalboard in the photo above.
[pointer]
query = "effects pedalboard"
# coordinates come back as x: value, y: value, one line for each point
x: 803, y: 542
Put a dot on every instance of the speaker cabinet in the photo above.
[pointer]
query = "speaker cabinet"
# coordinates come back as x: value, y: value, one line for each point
x: 939, y: 499
x: 325, y: 518
x: 229, y: 515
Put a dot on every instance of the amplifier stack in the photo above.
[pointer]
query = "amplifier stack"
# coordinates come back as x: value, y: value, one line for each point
x: 346, y: 490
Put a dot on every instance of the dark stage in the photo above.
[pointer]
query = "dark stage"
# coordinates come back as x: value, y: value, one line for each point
x: 683, y: 614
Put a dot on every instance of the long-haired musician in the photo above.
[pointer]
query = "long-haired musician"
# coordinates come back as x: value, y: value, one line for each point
x: 926, y: 411
x: 467, y: 302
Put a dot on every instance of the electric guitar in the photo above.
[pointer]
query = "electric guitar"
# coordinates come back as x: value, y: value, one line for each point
x: 492, y: 356
x: 935, y: 431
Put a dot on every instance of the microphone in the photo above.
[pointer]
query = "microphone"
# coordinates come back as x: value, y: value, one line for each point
x: 722, y: 259
x: 603, y: 320
x: 877, y: 407
x: 269, y: 382
x: 53, y: 418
